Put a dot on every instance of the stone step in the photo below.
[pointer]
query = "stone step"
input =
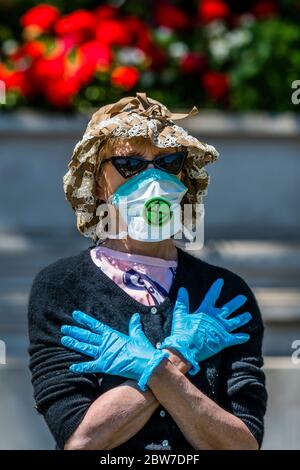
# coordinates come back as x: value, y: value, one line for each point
x: 261, y: 263
x: 283, y: 411
x: 255, y: 251
x: 270, y: 257
x: 278, y: 304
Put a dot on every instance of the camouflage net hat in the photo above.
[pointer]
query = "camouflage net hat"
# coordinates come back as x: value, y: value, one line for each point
x: 138, y: 116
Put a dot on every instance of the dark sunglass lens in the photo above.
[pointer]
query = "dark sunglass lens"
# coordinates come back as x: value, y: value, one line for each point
x: 171, y: 163
x: 128, y: 166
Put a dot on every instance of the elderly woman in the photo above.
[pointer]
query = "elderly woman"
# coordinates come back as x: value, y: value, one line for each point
x: 136, y: 344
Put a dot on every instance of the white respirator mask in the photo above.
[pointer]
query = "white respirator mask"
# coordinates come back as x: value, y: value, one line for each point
x: 149, y: 204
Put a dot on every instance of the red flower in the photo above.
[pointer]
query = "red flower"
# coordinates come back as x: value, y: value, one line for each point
x: 47, y: 70
x: 105, y: 11
x: 125, y: 77
x: 166, y: 14
x: 139, y: 32
x: 79, y: 24
x: 42, y: 17
x: 98, y: 54
x: 113, y: 32
x: 265, y: 9
x: 141, y: 37
x: 92, y: 56
x: 15, y: 80
x: 210, y: 10
x: 216, y: 85
x: 60, y: 92
x: 193, y: 62
x: 33, y: 49
x: 70, y: 41
x: 49, y: 66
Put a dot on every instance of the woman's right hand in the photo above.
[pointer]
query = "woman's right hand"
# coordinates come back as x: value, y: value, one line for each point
x: 202, y: 334
x: 131, y: 356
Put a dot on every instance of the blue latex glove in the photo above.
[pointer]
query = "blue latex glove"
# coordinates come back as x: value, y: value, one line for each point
x: 202, y: 334
x: 115, y: 353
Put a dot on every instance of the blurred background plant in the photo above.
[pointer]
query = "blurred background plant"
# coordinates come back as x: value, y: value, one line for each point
x: 73, y: 56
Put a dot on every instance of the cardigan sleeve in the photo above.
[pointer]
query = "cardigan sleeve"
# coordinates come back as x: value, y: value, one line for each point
x: 61, y: 396
x: 245, y: 393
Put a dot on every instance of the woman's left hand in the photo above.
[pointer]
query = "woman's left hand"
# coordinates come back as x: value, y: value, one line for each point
x: 204, y: 333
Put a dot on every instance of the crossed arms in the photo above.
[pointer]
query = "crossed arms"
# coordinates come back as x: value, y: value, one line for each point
x: 121, y: 412
x: 71, y: 402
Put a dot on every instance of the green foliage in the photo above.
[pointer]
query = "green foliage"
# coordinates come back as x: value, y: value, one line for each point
x: 258, y: 54
x: 262, y: 72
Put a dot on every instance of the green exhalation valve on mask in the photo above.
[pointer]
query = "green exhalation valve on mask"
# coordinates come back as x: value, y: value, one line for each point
x: 157, y: 211
x: 149, y: 203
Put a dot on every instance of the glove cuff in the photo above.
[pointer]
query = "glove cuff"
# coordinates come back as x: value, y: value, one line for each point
x: 184, y: 350
x: 155, y: 360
